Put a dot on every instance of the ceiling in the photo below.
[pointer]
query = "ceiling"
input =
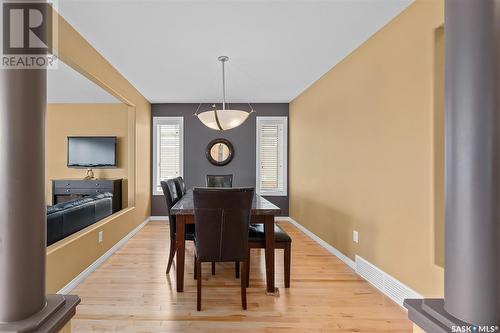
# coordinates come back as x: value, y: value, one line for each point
x: 168, y: 49
x: 65, y: 85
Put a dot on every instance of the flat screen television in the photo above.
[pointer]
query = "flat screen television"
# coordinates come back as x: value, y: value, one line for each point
x: 91, y: 151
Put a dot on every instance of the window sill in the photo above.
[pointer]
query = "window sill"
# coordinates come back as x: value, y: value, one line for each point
x: 273, y: 194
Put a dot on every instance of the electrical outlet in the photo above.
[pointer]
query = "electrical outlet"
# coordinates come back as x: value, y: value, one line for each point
x: 100, y: 237
x: 355, y: 236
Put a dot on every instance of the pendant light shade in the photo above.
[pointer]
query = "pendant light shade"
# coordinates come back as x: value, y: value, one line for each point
x: 223, y: 119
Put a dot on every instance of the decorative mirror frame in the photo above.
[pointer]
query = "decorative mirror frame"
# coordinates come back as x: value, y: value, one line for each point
x: 229, y: 146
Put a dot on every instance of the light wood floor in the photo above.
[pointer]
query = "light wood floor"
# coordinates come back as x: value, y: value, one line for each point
x: 130, y: 293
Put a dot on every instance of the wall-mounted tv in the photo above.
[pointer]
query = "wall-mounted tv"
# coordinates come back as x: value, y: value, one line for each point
x: 92, y: 152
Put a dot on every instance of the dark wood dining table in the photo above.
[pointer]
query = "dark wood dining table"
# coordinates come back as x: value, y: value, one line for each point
x: 263, y: 212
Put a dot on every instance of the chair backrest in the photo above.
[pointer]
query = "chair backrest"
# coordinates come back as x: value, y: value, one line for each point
x: 222, y: 219
x: 180, y: 186
x: 171, y: 197
x: 219, y: 180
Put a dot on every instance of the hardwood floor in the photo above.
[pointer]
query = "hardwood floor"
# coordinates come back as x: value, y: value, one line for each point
x: 131, y: 293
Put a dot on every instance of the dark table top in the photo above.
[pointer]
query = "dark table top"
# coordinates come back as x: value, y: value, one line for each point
x: 260, y: 206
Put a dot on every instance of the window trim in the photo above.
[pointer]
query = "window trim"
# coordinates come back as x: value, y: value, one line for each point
x: 281, y: 120
x: 164, y: 120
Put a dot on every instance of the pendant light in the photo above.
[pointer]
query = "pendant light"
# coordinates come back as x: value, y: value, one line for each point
x: 225, y: 119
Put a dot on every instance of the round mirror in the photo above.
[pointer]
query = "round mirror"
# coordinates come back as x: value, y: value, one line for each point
x: 220, y: 152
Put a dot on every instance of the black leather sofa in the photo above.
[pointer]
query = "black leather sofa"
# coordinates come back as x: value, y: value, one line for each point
x: 69, y: 217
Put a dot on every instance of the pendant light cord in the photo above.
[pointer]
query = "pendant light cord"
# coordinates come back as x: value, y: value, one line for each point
x: 251, y: 108
x: 223, y: 85
x: 198, y: 109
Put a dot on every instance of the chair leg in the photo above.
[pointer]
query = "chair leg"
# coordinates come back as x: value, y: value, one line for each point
x: 194, y: 268
x: 244, y: 285
x: 171, y: 255
x: 237, y: 269
x: 247, y: 271
x: 213, y: 267
x: 287, y: 261
x: 198, y: 285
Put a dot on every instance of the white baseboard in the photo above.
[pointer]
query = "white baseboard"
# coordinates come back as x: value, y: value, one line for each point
x: 388, y: 285
x: 321, y: 242
x: 83, y: 275
x: 158, y: 218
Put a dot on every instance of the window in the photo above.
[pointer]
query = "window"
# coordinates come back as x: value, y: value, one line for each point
x: 167, y: 150
x: 272, y: 156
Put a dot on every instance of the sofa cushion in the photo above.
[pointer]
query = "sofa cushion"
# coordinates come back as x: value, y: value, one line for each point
x: 78, y: 217
x: 54, y: 227
x: 68, y: 204
x: 102, y: 195
x: 53, y: 209
x: 103, y: 207
x: 77, y: 202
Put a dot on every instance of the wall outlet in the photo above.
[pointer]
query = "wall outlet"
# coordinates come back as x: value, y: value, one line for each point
x: 355, y: 236
x: 100, y: 237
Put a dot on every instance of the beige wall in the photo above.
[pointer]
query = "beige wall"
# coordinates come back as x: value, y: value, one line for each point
x: 65, y: 120
x: 69, y: 257
x: 362, y: 151
x: 439, y: 147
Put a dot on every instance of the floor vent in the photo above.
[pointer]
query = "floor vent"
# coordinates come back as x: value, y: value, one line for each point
x: 388, y: 285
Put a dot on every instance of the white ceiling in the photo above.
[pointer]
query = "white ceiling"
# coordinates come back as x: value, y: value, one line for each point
x: 65, y: 85
x: 168, y: 49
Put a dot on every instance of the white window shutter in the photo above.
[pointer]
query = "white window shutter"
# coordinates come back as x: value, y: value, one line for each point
x: 271, y: 155
x: 168, y: 149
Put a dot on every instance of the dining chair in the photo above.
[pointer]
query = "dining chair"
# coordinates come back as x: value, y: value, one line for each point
x: 222, y: 218
x: 219, y: 180
x: 257, y: 240
x: 171, y: 198
x: 180, y: 186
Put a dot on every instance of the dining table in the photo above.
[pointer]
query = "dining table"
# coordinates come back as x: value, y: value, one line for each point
x: 263, y: 212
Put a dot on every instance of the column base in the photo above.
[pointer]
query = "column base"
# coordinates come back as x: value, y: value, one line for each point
x: 52, y: 318
x: 430, y: 315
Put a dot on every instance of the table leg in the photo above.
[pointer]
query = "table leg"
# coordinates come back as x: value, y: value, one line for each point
x: 269, y: 234
x: 181, y: 249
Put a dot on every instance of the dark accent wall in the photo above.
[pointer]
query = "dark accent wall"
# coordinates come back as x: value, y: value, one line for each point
x: 197, y: 137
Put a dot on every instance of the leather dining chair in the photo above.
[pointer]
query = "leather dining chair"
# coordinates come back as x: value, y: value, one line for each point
x: 171, y: 198
x: 257, y: 240
x: 219, y: 180
x: 180, y: 186
x: 222, y: 218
